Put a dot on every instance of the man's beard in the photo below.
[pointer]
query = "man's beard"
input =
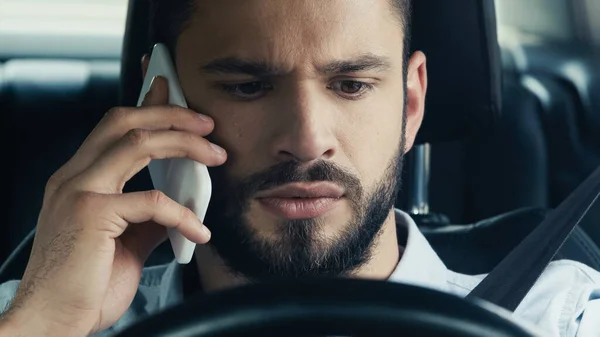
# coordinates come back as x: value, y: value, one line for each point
x: 300, y: 248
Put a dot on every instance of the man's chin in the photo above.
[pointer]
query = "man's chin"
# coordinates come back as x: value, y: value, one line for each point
x: 260, y: 244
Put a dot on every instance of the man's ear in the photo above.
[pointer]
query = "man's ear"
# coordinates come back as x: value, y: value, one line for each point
x: 145, y: 64
x: 416, y: 87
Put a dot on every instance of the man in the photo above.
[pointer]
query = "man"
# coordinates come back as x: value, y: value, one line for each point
x: 313, y: 105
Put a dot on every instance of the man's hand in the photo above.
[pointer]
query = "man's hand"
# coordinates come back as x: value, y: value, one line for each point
x: 92, y: 240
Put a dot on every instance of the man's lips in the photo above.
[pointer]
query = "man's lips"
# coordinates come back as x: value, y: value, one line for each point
x: 301, y: 200
x: 304, y: 190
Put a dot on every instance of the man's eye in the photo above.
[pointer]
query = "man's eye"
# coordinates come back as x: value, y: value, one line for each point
x: 248, y: 90
x: 351, y: 89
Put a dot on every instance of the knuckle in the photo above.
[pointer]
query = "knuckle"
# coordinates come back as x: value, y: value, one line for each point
x: 56, y: 182
x: 190, y: 139
x: 157, y: 198
x: 185, y: 213
x: 86, y: 200
x: 179, y: 112
x: 117, y: 114
x: 138, y: 137
x: 174, y: 109
x: 53, y: 182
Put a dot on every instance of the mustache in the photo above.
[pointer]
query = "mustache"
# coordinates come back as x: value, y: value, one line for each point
x: 291, y: 172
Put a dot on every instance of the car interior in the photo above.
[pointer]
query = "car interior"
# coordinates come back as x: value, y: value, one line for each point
x: 511, y: 129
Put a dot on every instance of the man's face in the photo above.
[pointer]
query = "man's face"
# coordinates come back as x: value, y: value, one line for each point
x: 307, y: 98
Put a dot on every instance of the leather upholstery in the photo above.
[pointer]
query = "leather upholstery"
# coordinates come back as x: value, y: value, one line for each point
x: 565, y: 79
x: 489, y: 175
x: 464, y: 69
x: 494, y: 238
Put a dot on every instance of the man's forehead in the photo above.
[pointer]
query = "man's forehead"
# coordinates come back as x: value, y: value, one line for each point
x: 265, y: 9
x: 281, y: 31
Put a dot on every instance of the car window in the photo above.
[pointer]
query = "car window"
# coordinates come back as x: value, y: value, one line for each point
x: 593, y: 13
x: 61, y: 28
x: 547, y: 18
x: 562, y: 21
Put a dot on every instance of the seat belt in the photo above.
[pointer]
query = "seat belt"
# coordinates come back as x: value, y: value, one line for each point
x: 510, y: 281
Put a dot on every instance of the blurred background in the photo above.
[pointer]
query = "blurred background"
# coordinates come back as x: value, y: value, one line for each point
x: 94, y: 28
x: 61, y: 28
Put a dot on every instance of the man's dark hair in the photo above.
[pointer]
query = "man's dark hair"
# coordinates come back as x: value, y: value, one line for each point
x: 168, y: 19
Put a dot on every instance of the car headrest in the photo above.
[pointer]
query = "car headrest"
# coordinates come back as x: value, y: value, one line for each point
x: 464, y: 67
x: 463, y: 61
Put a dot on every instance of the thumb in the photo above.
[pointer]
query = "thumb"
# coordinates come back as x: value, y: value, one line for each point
x: 158, y: 93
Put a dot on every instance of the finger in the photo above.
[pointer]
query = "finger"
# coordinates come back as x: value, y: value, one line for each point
x: 94, y: 143
x: 150, y: 208
x: 120, y: 121
x: 155, y: 114
x: 135, y: 151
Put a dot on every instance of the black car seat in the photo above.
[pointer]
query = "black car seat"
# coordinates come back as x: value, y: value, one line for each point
x: 495, y: 169
x: 565, y: 79
x: 48, y: 107
x: 509, y: 167
x: 487, y: 175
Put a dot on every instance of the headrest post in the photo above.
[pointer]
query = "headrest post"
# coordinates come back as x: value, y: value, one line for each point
x: 419, y: 203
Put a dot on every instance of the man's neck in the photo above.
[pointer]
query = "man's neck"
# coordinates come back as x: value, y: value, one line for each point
x: 385, y: 255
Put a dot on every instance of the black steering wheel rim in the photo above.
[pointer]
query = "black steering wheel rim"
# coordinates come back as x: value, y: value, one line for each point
x: 326, y: 307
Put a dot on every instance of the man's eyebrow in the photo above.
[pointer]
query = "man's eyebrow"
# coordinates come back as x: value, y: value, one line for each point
x: 361, y: 63
x: 238, y: 66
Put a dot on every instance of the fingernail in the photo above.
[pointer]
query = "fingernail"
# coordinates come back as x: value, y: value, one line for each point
x: 203, y: 117
x: 217, y: 148
x: 206, y: 231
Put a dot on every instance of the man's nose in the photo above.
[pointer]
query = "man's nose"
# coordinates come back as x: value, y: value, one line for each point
x: 306, y: 128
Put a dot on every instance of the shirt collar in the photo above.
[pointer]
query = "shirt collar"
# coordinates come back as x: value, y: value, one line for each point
x: 419, y: 265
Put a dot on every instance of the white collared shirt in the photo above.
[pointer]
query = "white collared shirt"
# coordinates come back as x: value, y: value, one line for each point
x: 565, y: 301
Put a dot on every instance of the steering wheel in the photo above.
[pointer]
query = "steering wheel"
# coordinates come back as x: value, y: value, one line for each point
x: 328, y: 307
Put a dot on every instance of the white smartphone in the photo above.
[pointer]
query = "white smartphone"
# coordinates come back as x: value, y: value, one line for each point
x: 183, y: 180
